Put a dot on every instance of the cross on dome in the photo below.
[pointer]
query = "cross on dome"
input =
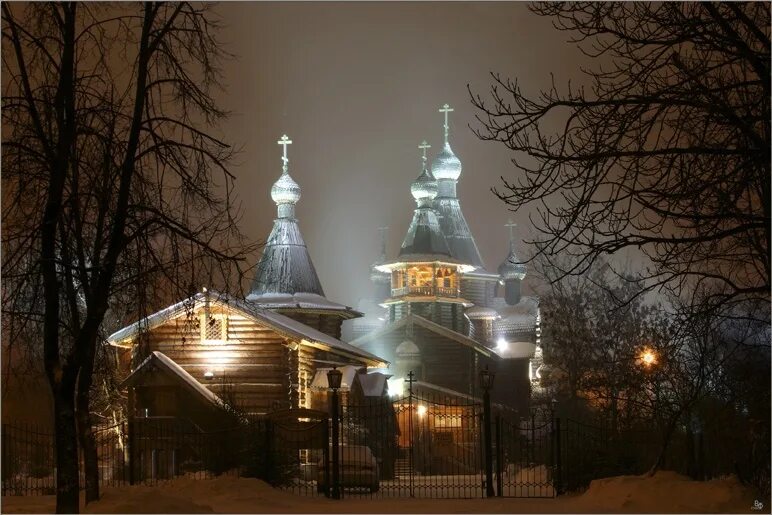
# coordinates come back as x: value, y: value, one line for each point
x: 424, y: 146
x: 511, y: 225
x: 446, y: 109
x: 284, y: 141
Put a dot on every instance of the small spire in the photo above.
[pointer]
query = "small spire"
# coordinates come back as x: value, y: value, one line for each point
x: 446, y: 109
x: 284, y: 141
x: 424, y: 146
x: 383, y: 231
x: 511, y: 225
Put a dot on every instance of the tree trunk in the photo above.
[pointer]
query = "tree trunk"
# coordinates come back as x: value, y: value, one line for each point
x: 66, y: 449
x: 667, y: 435
x: 87, y: 439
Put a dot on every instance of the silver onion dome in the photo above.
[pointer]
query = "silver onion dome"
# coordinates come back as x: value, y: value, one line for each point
x: 285, y: 190
x: 446, y: 165
x: 424, y: 188
x: 510, y: 268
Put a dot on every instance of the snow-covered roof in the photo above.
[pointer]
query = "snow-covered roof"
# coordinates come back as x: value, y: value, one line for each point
x: 278, y: 322
x: 428, y: 324
x: 309, y: 301
x: 163, y: 361
x: 285, y: 265
x: 373, y: 383
x: 457, y: 234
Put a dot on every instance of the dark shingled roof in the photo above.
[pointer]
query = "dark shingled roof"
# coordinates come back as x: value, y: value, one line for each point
x: 424, y: 236
x: 453, y: 225
x: 285, y: 266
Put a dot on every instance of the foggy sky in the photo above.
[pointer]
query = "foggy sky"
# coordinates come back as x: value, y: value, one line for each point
x: 356, y: 86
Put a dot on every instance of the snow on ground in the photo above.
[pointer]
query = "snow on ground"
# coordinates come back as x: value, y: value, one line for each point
x: 665, y: 492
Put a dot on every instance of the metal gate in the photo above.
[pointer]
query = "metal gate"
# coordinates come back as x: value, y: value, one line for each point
x: 412, y: 446
x: 526, y: 457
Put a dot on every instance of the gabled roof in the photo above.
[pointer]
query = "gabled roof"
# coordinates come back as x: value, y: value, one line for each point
x: 304, y: 301
x: 427, y: 324
x: 162, y: 361
x: 283, y: 325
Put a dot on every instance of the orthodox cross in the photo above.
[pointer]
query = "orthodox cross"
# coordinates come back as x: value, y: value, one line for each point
x: 511, y: 225
x: 446, y: 109
x: 423, y: 146
x: 284, y: 141
x: 410, y: 379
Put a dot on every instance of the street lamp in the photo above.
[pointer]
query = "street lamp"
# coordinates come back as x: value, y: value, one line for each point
x: 486, y: 383
x: 648, y: 357
x: 334, y: 378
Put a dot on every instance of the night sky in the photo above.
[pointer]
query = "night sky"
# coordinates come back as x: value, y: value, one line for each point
x: 357, y: 86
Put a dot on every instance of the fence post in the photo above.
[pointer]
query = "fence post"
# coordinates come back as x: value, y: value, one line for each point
x: 326, y: 459
x: 335, y: 444
x: 6, y: 465
x: 488, y: 443
x: 558, y: 465
x: 130, y: 444
x: 499, y: 459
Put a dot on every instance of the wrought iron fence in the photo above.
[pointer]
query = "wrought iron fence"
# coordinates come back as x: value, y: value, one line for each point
x: 412, y: 446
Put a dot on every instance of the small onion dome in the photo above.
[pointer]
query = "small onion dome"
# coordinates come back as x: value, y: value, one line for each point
x: 481, y: 313
x: 446, y: 165
x: 408, y: 349
x: 285, y: 190
x: 511, y: 269
x: 424, y: 188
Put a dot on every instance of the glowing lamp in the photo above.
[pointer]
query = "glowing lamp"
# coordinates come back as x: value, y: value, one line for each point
x: 421, y: 410
x: 208, y: 375
x: 648, y: 358
x: 502, y: 345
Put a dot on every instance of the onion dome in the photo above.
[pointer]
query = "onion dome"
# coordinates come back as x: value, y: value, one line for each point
x: 285, y: 190
x: 511, y: 268
x: 408, y: 349
x: 446, y: 165
x: 424, y: 188
x: 481, y: 313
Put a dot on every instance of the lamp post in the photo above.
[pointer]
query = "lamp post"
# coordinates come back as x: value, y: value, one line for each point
x: 486, y: 383
x: 334, y: 378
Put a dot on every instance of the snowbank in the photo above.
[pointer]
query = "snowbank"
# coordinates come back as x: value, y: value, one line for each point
x: 666, y: 492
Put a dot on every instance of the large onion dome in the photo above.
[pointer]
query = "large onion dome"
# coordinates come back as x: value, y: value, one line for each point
x: 285, y: 190
x: 446, y: 165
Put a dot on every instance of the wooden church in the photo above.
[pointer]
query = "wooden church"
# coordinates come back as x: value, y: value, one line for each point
x: 211, y: 354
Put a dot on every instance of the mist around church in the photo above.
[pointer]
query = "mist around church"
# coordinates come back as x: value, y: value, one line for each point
x: 426, y: 257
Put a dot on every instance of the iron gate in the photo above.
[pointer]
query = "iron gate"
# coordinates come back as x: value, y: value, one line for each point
x: 414, y: 446
x: 526, y: 457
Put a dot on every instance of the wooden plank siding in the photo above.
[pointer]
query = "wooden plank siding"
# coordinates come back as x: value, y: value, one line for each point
x: 324, y: 322
x: 255, y: 369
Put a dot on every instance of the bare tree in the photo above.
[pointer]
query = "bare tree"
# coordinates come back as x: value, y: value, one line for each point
x: 115, y: 181
x: 666, y: 151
